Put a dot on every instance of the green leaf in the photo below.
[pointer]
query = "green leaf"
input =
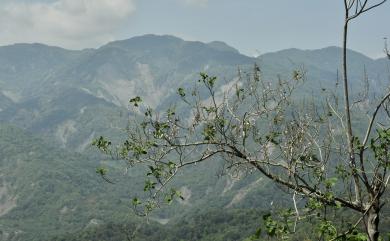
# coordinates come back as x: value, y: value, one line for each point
x: 136, y: 201
x: 330, y: 182
x: 135, y: 101
x: 181, y: 92
x: 149, y: 185
x: 102, y: 144
x: 102, y: 171
x: 209, y: 132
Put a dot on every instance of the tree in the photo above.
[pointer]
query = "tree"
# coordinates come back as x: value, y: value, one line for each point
x: 310, y: 149
x: 374, y: 186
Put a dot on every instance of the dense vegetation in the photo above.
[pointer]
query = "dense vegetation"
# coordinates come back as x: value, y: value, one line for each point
x: 201, y: 224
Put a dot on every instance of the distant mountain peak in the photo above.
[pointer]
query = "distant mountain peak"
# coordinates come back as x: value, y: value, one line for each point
x: 154, y: 41
x: 145, y: 40
x: 222, y: 46
x: 330, y: 51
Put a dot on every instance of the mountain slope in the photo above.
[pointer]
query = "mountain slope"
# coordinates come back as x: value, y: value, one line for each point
x: 45, y: 190
x: 47, y: 89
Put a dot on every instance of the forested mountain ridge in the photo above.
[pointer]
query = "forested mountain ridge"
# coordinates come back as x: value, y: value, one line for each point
x: 50, y: 87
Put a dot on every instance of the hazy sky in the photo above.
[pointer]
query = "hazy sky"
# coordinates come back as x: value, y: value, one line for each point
x: 251, y: 26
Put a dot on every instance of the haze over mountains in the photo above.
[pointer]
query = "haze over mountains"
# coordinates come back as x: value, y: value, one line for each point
x: 54, y: 102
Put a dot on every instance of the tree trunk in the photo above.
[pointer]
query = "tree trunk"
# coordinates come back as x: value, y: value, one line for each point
x: 348, y: 114
x: 372, y: 221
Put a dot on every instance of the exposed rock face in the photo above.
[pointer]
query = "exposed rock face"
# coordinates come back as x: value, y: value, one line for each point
x: 7, y: 200
x: 186, y: 193
x: 241, y: 194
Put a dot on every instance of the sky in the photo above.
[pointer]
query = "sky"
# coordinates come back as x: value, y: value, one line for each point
x: 253, y: 27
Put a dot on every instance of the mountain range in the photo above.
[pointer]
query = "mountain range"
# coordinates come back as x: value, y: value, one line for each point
x: 54, y: 102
